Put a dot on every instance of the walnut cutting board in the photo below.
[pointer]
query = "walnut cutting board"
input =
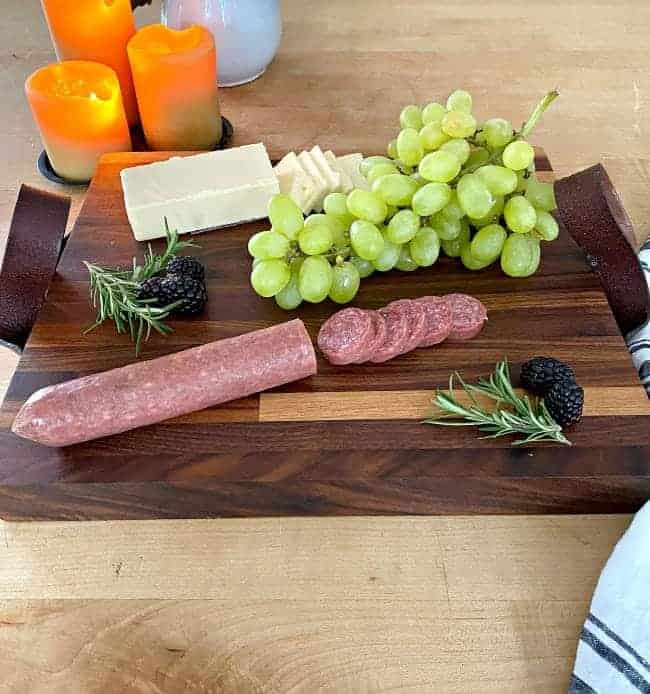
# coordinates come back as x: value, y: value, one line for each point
x: 349, y: 440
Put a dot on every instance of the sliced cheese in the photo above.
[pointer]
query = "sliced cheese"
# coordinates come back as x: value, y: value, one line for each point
x: 346, y: 181
x: 198, y: 192
x: 330, y: 174
x: 309, y: 165
x: 350, y: 164
x: 296, y: 182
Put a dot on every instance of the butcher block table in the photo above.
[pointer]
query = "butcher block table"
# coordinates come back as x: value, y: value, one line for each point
x: 355, y: 604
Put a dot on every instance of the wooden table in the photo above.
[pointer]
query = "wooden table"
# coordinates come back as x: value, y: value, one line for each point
x: 340, y: 605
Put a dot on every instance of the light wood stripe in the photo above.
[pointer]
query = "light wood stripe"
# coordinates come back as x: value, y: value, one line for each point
x: 415, y: 404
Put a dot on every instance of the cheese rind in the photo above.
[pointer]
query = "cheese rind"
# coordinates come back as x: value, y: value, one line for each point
x: 296, y: 182
x: 198, y: 192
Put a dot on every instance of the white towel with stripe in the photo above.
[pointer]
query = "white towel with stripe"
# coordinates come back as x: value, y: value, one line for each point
x: 638, y: 341
x: 614, y: 650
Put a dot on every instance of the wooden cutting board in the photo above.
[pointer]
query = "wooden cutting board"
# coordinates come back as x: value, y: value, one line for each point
x: 349, y: 440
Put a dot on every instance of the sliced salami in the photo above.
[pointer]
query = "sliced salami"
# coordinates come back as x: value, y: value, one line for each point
x: 416, y: 320
x: 468, y: 316
x: 379, y: 327
x: 439, y: 320
x: 345, y: 336
x: 397, y: 334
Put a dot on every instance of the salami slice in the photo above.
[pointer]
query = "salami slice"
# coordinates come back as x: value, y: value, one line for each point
x: 468, y: 316
x: 379, y: 335
x: 345, y: 336
x: 416, y: 320
x: 397, y: 334
x: 439, y: 320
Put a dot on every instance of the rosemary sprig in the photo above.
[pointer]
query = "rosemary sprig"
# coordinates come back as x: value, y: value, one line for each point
x: 113, y: 292
x: 512, y: 414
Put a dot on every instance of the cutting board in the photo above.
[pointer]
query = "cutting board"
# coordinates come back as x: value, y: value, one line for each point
x: 348, y: 440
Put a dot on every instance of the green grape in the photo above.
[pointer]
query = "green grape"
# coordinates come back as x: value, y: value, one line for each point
x: 518, y: 155
x: 315, y: 278
x: 540, y: 195
x: 453, y: 209
x: 268, y: 244
x: 270, y: 276
x: 453, y: 247
x: 458, y: 124
x: 433, y: 113
x: 522, y: 182
x: 498, y: 179
x: 447, y: 228
x: 519, y: 214
x: 425, y: 247
x: 534, y: 263
x: 315, y: 239
x: 418, y: 179
x: 402, y: 227
x: 379, y: 170
x: 498, y: 132
x: 391, y: 149
x: 335, y: 205
x: 339, y: 228
x: 388, y: 257
x: 345, y: 283
x: 518, y: 255
x: 440, y: 167
x: 366, y: 239
x: 492, y: 216
x: 290, y: 297
x: 458, y: 147
x: 392, y: 210
x: 460, y: 100
x: 478, y: 156
x: 395, y: 189
x: 431, y: 136
x: 411, y: 117
x: 469, y: 261
x: 487, y: 243
x: 364, y: 204
x: 546, y: 228
x: 405, y: 262
x: 365, y: 267
x: 409, y: 147
x: 369, y: 162
x: 474, y: 196
x: 431, y: 198
x: 286, y: 217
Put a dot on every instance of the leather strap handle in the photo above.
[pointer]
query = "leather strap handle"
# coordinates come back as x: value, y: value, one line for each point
x: 33, y: 247
x: 590, y: 209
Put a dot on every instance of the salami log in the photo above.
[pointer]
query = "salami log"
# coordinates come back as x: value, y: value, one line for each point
x: 152, y: 391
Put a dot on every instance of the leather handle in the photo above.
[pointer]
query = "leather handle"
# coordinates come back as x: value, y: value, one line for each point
x: 590, y: 209
x: 33, y: 247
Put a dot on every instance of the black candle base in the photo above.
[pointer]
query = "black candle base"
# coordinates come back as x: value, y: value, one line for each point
x: 45, y: 168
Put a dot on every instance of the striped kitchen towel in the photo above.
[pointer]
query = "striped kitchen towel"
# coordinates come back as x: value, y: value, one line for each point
x: 638, y: 340
x: 614, y: 649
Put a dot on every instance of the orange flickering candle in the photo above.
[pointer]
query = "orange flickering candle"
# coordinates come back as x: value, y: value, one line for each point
x: 175, y: 77
x: 77, y: 106
x: 96, y: 30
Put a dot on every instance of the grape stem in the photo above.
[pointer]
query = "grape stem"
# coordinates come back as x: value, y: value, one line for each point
x: 537, y: 113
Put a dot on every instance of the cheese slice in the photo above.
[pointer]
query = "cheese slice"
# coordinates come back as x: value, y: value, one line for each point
x: 296, y: 182
x: 310, y: 167
x: 199, y: 192
x: 331, y: 175
x: 350, y: 164
x: 346, y: 181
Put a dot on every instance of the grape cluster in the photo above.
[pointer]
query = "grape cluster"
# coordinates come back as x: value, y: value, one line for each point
x: 447, y: 183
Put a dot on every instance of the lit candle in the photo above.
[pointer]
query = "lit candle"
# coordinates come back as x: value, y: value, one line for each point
x: 175, y: 77
x: 96, y: 30
x: 77, y: 106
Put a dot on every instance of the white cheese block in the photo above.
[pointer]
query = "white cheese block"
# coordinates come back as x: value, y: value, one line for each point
x: 331, y: 175
x: 198, y: 192
x: 346, y: 181
x: 350, y: 164
x: 296, y: 182
x: 309, y: 165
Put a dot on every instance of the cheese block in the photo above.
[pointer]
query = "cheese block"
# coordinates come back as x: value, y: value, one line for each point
x: 346, y: 181
x: 296, y: 182
x: 199, y: 192
x: 331, y: 175
x: 349, y: 163
x: 310, y: 167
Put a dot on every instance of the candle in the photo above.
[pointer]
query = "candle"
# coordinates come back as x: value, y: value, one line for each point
x: 77, y: 106
x: 175, y: 77
x: 96, y: 30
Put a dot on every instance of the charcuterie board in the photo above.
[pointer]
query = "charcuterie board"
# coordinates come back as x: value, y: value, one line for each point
x: 348, y: 440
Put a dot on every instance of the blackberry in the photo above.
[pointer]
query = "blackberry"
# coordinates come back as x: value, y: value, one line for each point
x: 539, y: 374
x: 186, y: 266
x: 150, y: 289
x: 190, y: 291
x: 564, y: 402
